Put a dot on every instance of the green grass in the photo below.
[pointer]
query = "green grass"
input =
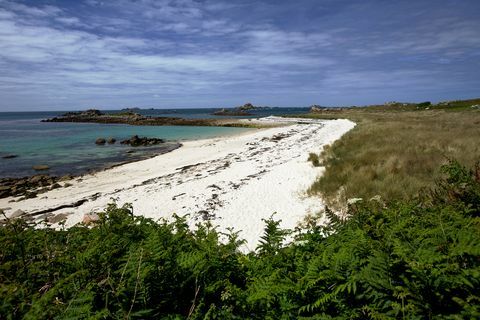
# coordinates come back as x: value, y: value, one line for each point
x: 394, y: 154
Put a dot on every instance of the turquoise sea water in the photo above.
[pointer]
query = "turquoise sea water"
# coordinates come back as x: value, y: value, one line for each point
x: 69, y: 148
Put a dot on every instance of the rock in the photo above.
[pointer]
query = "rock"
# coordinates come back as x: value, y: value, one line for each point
x: 41, y: 167
x: 136, y: 141
x: 42, y: 191
x: 9, y: 156
x: 55, y: 186
x: 21, y: 183
x: 17, y: 214
x: 100, y: 141
x: 36, y: 179
x: 111, y: 140
x: 30, y: 195
x: 65, y: 178
x: 57, y: 218
x: 247, y: 106
x: 90, y: 218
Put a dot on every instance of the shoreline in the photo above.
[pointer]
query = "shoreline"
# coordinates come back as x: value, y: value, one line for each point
x: 234, y: 181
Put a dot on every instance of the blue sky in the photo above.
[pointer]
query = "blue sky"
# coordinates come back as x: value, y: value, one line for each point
x: 58, y: 55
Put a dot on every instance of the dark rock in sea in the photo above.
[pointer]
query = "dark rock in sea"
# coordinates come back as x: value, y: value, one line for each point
x: 111, y: 140
x: 137, y: 141
x: 100, y: 141
x: 41, y: 167
x: 9, y: 156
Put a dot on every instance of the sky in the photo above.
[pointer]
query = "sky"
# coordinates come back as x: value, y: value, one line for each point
x: 62, y: 55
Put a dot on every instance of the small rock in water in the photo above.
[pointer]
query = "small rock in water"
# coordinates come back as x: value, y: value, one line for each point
x: 111, y: 140
x: 10, y: 156
x: 100, y: 141
x: 136, y: 141
x: 41, y: 167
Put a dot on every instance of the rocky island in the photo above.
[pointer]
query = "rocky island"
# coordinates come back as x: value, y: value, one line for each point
x: 238, y: 111
x: 133, y: 118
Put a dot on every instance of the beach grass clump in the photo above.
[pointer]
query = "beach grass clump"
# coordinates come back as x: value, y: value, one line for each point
x: 395, y: 155
x: 409, y: 260
x: 314, y: 159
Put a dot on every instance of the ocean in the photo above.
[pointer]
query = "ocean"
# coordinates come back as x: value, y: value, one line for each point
x: 69, y: 148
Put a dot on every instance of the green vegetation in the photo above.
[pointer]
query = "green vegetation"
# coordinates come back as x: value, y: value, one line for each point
x: 395, y: 154
x: 410, y: 260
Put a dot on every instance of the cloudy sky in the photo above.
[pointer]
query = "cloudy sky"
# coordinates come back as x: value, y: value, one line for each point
x: 58, y: 55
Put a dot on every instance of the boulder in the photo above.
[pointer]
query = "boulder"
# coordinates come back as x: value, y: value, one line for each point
x: 55, y: 186
x: 137, y: 141
x: 65, y: 178
x: 37, y: 178
x: 17, y: 214
x: 57, y: 218
x: 111, y: 140
x: 100, y: 141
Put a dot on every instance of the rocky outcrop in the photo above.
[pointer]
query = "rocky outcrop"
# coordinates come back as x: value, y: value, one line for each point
x: 137, y: 141
x: 29, y: 187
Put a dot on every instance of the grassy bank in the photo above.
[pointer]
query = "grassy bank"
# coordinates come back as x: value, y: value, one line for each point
x: 395, y: 152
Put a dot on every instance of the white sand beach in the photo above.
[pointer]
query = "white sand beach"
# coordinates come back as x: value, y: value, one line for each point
x: 232, y: 181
